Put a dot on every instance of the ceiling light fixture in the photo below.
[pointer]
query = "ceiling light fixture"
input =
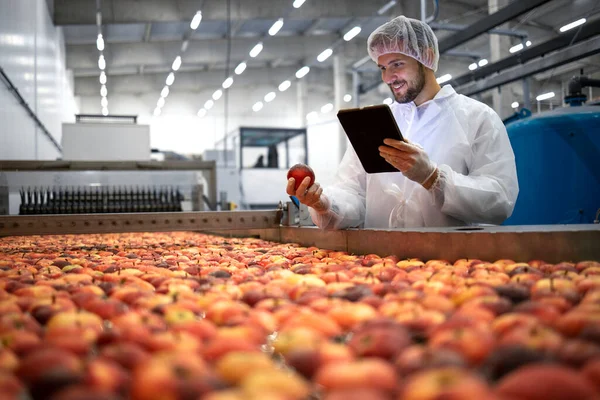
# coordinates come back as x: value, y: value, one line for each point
x: 161, y: 102
x: 298, y: 3
x: 202, y: 112
x: 164, y: 92
x: 269, y: 97
x: 176, y: 63
x: 103, y: 78
x: 473, y: 67
x: 240, y: 68
x: 444, y: 78
x: 352, y: 33
x: 103, y: 91
x: 227, y: 83
x: 196, y: 20
x: 101, y: 62
x: 276, y: 27
x: 515, y: 104
x: 100, y: 42
x: 208, y: 105
x: 572, y: 25
x: 302, y: 72
x: 325, y: 54
x: 285, y: 85
x: 257, y: 106
x: 516, y: 47
x: 482, y: 62
x: 170, y: 79
x: 217, y: 94
x: 256, y: 50
x: 545, y: 96
x: 327, y: 108
x: 347, y: 98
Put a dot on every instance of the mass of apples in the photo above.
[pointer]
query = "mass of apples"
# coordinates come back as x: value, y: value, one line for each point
x: 171, y: 316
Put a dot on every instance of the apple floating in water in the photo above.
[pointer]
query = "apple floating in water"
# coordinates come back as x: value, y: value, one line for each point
x: 299, y: 172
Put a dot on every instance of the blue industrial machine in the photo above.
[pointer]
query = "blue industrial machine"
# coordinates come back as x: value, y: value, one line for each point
x: 558, y: 163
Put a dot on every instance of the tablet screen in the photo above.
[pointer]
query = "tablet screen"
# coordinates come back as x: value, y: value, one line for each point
x: 366, y: 128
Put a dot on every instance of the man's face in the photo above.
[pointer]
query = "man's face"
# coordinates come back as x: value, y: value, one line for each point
x: 404, y: 75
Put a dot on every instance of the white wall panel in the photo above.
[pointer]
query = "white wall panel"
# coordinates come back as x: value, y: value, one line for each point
x: 32, y: 55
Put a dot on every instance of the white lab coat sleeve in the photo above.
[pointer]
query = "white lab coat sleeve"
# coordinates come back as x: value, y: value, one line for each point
x: 487, y: 194
x: 347, y: 196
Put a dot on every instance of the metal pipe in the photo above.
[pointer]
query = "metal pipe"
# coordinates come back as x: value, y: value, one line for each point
x: 423, y: 11
x: 436, y: 12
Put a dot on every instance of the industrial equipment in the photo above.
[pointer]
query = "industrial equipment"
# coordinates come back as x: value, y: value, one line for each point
x: 74, y: 187
x: 558, y: 162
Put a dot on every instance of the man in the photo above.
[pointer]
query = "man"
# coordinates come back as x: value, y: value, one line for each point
x: 456, y: 167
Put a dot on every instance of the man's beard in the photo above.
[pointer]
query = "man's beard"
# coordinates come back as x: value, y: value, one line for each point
x: 413, y: 88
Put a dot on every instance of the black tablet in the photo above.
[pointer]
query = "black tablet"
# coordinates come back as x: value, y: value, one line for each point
x: 366, y: 128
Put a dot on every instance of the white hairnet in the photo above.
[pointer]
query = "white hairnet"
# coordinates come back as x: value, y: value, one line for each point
x: 406, y: 36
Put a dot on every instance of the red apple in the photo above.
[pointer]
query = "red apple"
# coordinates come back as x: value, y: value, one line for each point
x: 299, y: 172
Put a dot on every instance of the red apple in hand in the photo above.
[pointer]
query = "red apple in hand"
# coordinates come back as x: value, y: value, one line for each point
x: 299, y: 172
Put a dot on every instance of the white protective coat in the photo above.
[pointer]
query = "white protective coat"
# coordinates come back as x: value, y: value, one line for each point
x: 478, y: 177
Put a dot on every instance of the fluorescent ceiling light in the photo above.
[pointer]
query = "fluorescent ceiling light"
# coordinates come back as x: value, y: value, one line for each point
x: 473, y: 67
x: 157, y: 112
x: 545, y: 96
x: 104, y: 111
x: 482, y: 62
x: 202, y: 112
x: 516, y: 47
x: 257, y: 106
x: 103, y: 91
x: 103, y: 78
x: 327, y: 108
x: 101, y: 62
x: 184, y: 45
x: 209, y: 104
x: 298, y: 3
x: 302, y: 72
x: 352, y: 33
x: 347, y: 98
x: 256, y: 50
x: 388, y: 101
x: 170, y: 79
x: 444, y: 78
x: 285, y: 85
x: 515, y: 104
x: 227, y: 83
x: 161, y: 102
x: 311, y: 116
x: 176, y: 63
x: 104, y: 102
x: 276, y: 27
x: 196, y: 20
x: 164, y: 92
x: 217, y: 94
x: 240, y: 68
x: 100, y: 42
x: 325, y: 54
x: 572, y: 25
x: 386, y: 7
x: 269, y: 97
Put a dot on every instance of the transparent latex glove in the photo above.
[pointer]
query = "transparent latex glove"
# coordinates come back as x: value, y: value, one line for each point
x: 310, y: 196
x: 395, y: 218
x: 408, y: 158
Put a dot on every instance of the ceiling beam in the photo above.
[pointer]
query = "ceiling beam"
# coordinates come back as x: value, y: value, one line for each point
x: 565, y: 56
x: 197, y: 81
x: 204, y: 52
x: 76, y: 12
x: 503, y: 15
